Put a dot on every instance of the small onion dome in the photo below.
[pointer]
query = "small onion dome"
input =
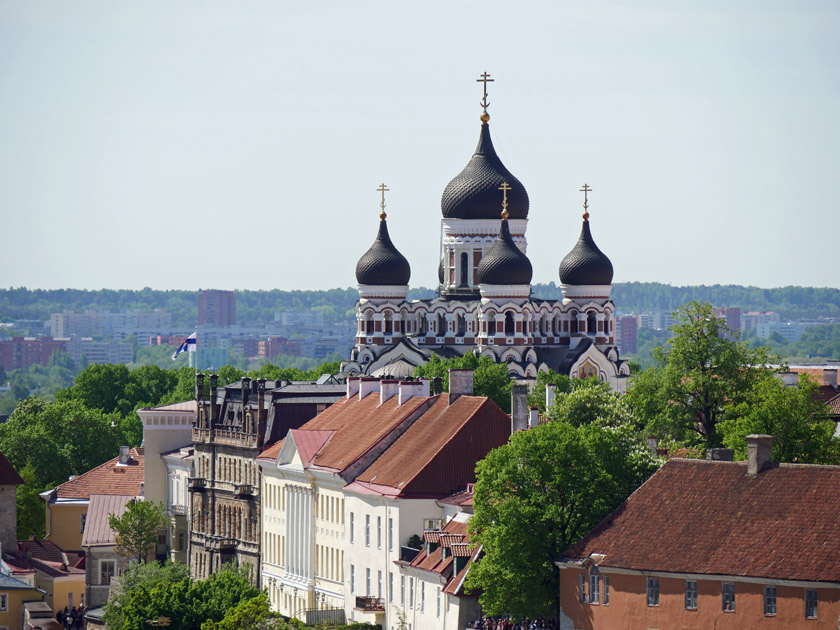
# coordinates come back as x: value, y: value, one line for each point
x: 504, y: 263
x: 382, y: 264
x: 473, y: 194
x: 586, y: 264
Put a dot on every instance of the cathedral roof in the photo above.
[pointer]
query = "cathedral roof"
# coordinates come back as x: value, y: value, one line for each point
x: 586, y: 264
x: 382, y: 264
x: 473, y: 193
x: 504, y: 263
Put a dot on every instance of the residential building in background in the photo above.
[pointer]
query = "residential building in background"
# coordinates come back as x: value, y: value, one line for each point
x: 628, y: 328
x: 111, y: 351
x: 731, y: 315
x: 713, y: 544
x: 216, y: 308
x: 751, y: 319
x: 105, y: 324
x: 20, y: 353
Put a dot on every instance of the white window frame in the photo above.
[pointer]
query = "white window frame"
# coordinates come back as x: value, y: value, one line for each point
x: 390, y: 534
x: 770, y: 601
x: 102, y: 564
x: 4, y: 602
x: 390, y: 586
x: 352, y: 578
x: 402, y: 590
x: 582, y: 588
x: 691, y: 594
x: 367, y: 581
x: 594, y: 590
x: 727, y: 591
x: 606, y: 596
x: 812, y: 601
x: 83, y: 520
x: 411, y: 592
x: 352, y: 527
x: 379, y: 584
x: 438, y: 602
x: 367, y: 530
x: 652, y: 591
x: 379, y: 532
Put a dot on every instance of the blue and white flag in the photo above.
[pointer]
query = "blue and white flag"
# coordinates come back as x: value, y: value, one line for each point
x: 187, y: 346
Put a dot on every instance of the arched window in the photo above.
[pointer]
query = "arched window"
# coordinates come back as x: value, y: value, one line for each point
x: 510, y: 327
x: 389, y: 325
x: 573, y: 323
x: 591, y: 325
x: 465, y: 268
x: 423, y: 325
x: 594, y: 591
x: 491, y: 323
x: 369, y: 323
x: 462, y: 325
x: 441, y: 325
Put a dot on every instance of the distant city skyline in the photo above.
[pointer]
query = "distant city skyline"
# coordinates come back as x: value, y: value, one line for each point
x: 177, y: 145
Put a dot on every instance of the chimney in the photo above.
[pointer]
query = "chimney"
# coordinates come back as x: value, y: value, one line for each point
x: 518, y: 407
x: 388, y: 389
x: 533, y: 418
x: 830, y: 377
x: 199, y: 387
x: 246, y: 390
x: 367, y: 384
x: 125, y: 455
x: 261, y: 412
x: 460, y: 384
x: 352, y: 386
x: 789, y: 378
x: 408, y: 389
x: 437, y: 385
x: 720, y: 455
x: 214, y: 408
x: 550, y: 394
x: 759, y: 452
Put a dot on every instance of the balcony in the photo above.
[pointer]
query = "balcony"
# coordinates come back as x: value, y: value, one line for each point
x: 370, y: 604
x: 243, y: 491
x: 197, y: 483
x: 174, y: 509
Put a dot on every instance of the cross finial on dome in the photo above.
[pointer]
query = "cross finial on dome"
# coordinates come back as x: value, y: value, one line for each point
x: 586, y: 190
x: 485, y: 79
x: 383, y: 189
x: 505, y: 187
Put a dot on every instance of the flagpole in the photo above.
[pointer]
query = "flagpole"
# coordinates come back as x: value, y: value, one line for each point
x: 196, y: 350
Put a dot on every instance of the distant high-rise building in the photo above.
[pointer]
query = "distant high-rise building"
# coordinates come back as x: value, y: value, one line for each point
x: 627, y: 335
x: 216, y: 308
x: 19, y: 353
x: 731, y: 315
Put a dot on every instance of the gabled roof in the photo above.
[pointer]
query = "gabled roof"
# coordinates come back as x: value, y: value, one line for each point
x: 107, y: 478
x: 437, y: 454
x: 8, y: 475
x: 270, y: 452
x: 706, y: 517
x: 97, y: 531
x: 308, y: 443
x: 455, y: 538
x: 45, y: 557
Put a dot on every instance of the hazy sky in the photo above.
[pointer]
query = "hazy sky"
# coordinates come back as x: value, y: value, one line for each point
x: 238, y: 145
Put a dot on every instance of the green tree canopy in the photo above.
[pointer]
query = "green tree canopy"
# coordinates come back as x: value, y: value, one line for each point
x: 140, y: 576
x: 490, y: 379
x: 137, y: 528
x: 795, y: 417
x: 592, y: 402
x: 704, y: 369
x: 537, y: 495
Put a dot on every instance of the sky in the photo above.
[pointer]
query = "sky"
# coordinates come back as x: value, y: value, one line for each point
x: 239, y: 145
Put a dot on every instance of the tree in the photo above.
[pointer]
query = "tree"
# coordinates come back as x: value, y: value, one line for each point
x: 137, y: 576
x: 490, y: 379
x: 704, y: 369
x: 592, y: 403
x: 795, y: 417
x: 137, y: 528
x: 537, y: 495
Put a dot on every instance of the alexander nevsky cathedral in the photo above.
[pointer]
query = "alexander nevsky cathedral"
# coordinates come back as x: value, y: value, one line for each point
x: 484, y: 303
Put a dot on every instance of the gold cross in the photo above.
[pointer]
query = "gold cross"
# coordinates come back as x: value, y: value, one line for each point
x: 383, y: 189
x: 485, y: 79
x: 586, y: 190
x: 504, y: 188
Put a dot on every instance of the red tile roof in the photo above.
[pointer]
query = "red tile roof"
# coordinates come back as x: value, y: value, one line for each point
x: 453, y: 535
x: 107, y: 478
x: 834, y: 406
x: 705, y: 517
x: 46, y: 557
x: 463, y: 498
x: 8, y: 475
x: 270, y: 452
x: 309, y: 443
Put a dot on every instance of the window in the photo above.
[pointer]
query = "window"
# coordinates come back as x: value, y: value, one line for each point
x: 352, y: 526
x: 390, y: 534
x: 379, y: 584
x: 70, y: 599
x: 770, y: 600
x: 810, y: 603
x: 390, y: 586
x: 367, y: 581
x: 653, y: 591
x: 411, y: 592
x: 582, y: 587
x: 606, y: 590
x: 593, y: 585
x: 402, y: 590
x: 181, y: 541
x: 379, y: 532
x: 107, y: 568
x: 352, y: 578
x: 83, y: 520
x: 422, y: 596
x: 438, y: 601
x: 465, y: 269
x: 691, y: 594
x: 728, y: 597
x: 4, y: 602
x: 367, y: 530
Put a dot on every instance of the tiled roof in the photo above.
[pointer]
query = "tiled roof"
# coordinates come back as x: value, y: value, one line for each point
x: 705, y: 517
x: 107, y: 478
x: 453, y: 535
x: 187, y: 405
x: 834, y: 405
x: 358, y: 425
x: 46, y: 557
x: 8, y: 583
x: 271, y: 451
x: 97, y: 531
x: 463, y: 498
x: 437, y: 454
x: 309, y: 443
x: 8, y: 475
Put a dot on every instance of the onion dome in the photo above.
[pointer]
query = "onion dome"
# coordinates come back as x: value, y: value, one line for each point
x: 382, y: 264
x: 504, y: 263
x: 473, y: 193
x: 440, y: 271
x: 586, y: 264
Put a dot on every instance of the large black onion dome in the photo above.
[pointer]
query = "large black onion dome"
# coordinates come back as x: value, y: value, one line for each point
x: 382, y: 264
x: 504, y: 263
x: 586, y: 264
x: 474, y: 193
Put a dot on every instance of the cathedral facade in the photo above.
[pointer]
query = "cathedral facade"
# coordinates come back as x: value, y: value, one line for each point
x: 484, y: 303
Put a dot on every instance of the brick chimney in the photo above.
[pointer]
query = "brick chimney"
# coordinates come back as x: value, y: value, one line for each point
x: 533, y: 418
x: 125, y: 455
x: 460, y: 384
x: 388, y: 389
x: 352, y: 386
x: 759, y: 452
x: 199, y: 387
x: 518, y: 407
x: 550, y: 395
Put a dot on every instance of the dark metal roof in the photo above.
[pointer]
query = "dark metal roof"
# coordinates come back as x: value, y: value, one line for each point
x: 382, y: 264
x: 504, y: 263
x: 561, y: 360
x: 586, y: 264
x: 474, y: 192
